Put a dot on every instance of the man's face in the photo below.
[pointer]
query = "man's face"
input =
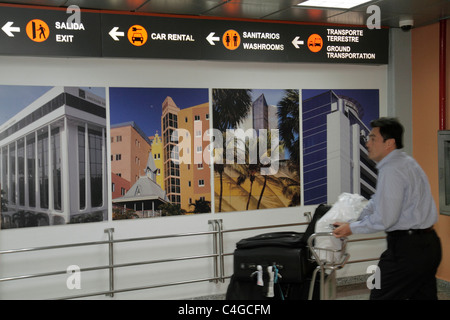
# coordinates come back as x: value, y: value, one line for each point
x: 378, y: 148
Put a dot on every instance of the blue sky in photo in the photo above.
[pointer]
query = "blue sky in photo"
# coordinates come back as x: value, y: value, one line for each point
x: 15, y: 98
x: 368, y: 98
x: 273, y: 96
x: 144, y: 105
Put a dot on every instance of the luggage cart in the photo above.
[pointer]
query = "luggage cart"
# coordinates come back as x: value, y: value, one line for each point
x: 334, y: 260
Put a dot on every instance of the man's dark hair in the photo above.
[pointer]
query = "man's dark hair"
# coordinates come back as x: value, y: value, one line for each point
x: 390, y: 128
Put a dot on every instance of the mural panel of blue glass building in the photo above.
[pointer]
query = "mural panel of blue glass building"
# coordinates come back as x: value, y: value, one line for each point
x: 335, y: 157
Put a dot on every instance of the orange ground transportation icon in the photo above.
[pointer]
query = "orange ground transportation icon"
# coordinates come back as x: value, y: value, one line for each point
x: 315, y: 42
x: 37, y: 30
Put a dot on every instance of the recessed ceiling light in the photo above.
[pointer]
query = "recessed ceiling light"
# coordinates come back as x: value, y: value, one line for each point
x: 341, y: 4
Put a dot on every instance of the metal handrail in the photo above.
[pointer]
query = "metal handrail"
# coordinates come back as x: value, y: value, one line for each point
x: 62, y: 246
x: 79, y: 244
x: 111, y: 265
x: 111, y: 292
x: 365, y: 239
x: 217, y: 255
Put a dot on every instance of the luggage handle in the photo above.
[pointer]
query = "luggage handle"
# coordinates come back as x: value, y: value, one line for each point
x: 253, y: 266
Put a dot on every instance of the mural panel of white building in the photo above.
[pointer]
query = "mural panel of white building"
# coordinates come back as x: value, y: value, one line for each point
x: 53, y: 160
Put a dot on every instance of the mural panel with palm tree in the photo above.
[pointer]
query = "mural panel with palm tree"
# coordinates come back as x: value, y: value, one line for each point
x: 256, y: 149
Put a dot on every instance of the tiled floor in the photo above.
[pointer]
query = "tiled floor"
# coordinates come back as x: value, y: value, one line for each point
x: 359, y: 291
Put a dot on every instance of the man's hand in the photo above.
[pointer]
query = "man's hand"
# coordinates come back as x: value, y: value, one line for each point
x: 342, y: 229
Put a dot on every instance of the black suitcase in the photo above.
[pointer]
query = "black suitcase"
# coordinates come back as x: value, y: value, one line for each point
x: 286, y: 253
x: 282, y: 250
x: 247, y: 290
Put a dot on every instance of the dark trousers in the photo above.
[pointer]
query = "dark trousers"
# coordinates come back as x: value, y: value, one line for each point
x: 408, y: 267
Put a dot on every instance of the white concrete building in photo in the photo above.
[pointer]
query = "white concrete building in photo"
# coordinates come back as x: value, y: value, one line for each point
x: 53, y: 167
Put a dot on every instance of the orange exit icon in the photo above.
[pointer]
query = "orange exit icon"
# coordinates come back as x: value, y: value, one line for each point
x: 315, y: 42
x: 37, y: 30
x: 231, y: 39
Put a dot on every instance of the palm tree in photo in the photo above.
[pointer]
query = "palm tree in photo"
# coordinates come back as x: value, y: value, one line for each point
x: 170, y: 209
x: 247, y: 169
x: 201, y: 206
x: 230, y: 107
x: 267, y: 155
x: 250, y: 173
x: 288, y: 124
x: 278, y: 149
x: 291, y: 188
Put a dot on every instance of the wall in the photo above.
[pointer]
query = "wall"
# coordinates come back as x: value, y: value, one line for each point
x: 425, y: 117
x: 399, y: 78
x: 160, y: 73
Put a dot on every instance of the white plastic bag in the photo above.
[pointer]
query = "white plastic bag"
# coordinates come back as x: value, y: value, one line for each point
x: 347, y: 208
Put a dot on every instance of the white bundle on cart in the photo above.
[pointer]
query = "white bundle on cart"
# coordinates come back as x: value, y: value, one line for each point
x: 347, y: 208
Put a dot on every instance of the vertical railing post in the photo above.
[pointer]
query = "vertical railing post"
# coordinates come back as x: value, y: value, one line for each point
x: 215, y: 260
x: 221, y: 252
x: 308, y: 216
x: 110, y: 231
x: 322, y: 283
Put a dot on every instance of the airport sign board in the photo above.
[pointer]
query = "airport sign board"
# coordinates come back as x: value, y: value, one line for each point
x: 52, y: 32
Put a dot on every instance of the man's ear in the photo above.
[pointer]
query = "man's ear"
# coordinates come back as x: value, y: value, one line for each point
x: 391, y: 143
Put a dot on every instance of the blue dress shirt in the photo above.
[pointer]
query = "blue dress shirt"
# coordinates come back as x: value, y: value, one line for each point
x: 402, y: 199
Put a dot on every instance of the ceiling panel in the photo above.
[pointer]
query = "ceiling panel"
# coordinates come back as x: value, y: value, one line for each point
x: 304, y: 15
x: 120, y: 5
x: 50, y: 3
x: 410, y: 6
x: 187, y: 7
x: 423, y: 12
x: 349, y: 17
x: 250, y: 9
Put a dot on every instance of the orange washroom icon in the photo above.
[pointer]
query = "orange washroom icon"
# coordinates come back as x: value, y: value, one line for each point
x: 231, y: 39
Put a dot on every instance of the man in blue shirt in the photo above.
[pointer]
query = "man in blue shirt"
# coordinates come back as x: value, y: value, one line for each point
x: 404, y: 208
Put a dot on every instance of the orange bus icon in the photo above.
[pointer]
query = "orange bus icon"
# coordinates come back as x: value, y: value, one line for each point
x: 315, y: 42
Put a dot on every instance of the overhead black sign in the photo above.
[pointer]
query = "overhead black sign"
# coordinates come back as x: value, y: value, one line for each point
x: 40, y: 32
x: 37, y: 32
x: 151, y: 37
x: 184, y: 38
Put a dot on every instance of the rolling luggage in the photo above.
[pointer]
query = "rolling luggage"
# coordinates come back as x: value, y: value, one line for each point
x: 274, y: 265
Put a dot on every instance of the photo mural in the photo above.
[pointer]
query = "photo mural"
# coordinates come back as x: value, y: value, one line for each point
x: 159, y: 152
x: 52, y: 156
x: 256, y: 149
x: 172, y: 151
x: 335, y: 126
